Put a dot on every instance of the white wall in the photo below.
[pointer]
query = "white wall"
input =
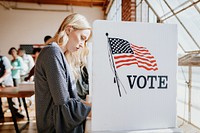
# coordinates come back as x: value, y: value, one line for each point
x: 29, y: 26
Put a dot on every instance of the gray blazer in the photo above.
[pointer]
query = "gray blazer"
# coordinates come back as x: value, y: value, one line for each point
x: 58, y: 108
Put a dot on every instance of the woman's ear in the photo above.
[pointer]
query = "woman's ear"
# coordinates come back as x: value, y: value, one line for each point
x: 68, y: 29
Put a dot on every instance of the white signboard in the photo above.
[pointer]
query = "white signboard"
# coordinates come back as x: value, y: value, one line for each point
x: 133, y: 76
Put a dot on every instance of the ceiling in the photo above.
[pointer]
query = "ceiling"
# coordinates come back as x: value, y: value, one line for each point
x: 102, y: 3
x: 105, y: 4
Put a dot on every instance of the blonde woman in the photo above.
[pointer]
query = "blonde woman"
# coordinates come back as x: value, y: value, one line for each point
x: 58, y: 108
x: 78, y: 63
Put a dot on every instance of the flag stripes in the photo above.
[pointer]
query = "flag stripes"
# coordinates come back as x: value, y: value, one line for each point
x: 133, y: 54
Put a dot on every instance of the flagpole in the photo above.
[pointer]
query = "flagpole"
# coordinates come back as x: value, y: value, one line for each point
x: 116, y: 77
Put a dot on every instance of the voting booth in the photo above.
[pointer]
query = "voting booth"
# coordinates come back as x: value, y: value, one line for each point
x: 133, y: 79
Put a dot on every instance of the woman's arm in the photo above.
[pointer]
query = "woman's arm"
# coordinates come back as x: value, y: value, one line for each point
x: 31, y: 73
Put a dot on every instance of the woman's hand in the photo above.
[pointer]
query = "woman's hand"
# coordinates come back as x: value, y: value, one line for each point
x: 88, y: 104
x: 90, y: 113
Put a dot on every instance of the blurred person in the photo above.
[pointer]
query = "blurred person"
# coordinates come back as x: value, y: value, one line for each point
x: 58, y: 107
x: 28, y: 63
x: 46, y: 38
x: 17, y: 65
x: 5, y: 72
x: 36, y: 52
x: 6, y: 81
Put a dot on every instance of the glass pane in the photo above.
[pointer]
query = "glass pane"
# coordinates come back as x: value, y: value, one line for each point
x: 119, y: 3
x: 177, y: 9
x: 183, y: 38
x: 159, y: 6
x: 152, y: 17
x: 180, y: 51
x: 144, y: 12
x: 138, y: 13
x: 186, y: 5
x: 191, y: 19
x: 115, y: 11
x: 175, y: 3
x: 138, y: 2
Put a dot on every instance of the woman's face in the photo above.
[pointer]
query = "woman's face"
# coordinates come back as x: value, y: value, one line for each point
x: 77, y: 39
x: 13, y: 52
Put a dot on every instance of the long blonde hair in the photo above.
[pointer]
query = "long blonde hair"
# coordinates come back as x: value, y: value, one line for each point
x: 77, y: 60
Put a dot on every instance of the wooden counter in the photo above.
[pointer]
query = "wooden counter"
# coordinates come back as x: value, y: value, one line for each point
x: 22, y: 91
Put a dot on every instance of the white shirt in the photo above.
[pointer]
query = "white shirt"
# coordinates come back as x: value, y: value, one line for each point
x: 28, y: 64
x: 8, y: 81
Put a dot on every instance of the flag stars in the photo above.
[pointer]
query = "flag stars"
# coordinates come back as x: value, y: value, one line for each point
x: 119, y: 46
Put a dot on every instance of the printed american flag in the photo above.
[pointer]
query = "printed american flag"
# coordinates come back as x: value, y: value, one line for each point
x: 125, y: 54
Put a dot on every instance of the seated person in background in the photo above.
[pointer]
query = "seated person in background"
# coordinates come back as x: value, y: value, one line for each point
x: 28, y: 63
